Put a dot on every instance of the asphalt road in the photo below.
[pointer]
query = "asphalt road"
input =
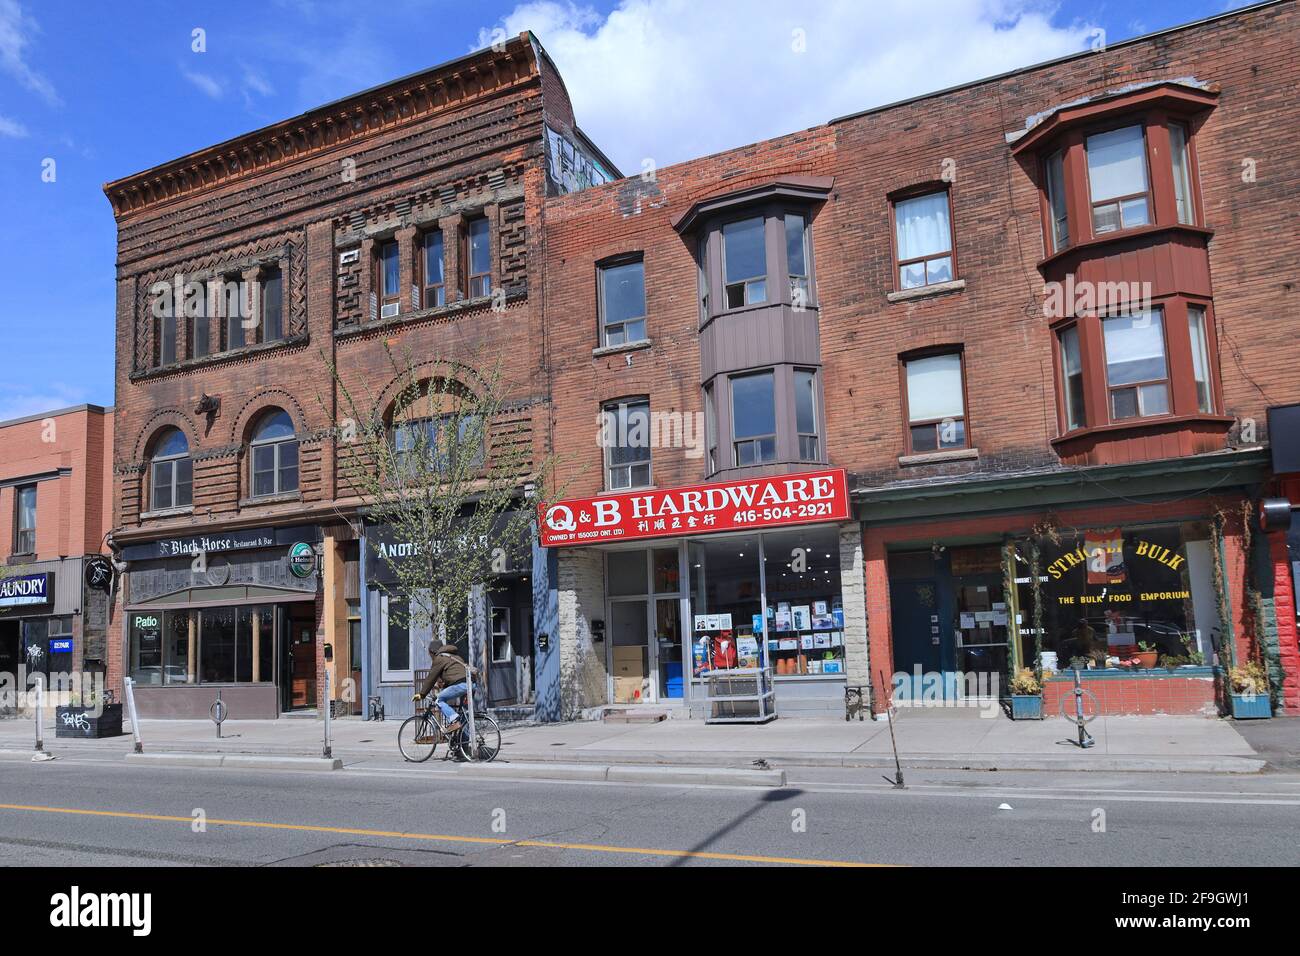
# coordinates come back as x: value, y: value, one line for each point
x: 88, y: 812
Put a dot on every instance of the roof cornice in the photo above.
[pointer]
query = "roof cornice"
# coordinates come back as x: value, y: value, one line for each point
x: 392, y: 105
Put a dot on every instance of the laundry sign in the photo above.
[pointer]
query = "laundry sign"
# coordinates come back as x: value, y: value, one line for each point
x: 25, y: 589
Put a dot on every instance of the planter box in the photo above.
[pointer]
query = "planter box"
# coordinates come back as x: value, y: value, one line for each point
x: 1250, y: 706
x: 82, y: 722
x: 1026, y: 707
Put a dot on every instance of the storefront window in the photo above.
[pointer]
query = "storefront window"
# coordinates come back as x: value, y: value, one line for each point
x: 177, y: 647
x: 217, y: 645
x: 802, y: 620
x: 146, y: 647
x: 1108, y: 594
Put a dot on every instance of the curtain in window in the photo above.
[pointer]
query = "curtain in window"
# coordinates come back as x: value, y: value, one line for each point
x: 922, y: 226
x: 934, y: 388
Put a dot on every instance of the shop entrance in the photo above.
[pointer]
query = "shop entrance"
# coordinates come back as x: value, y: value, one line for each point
x: 950, y: 623
x: 298, y: 657
x: 510, y: 642
x: 645, y: 625
x: 9, y: 656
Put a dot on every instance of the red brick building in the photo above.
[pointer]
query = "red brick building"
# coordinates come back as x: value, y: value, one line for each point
x: 55, y: 501
x: 900, y: 404
x: 1039, y: 320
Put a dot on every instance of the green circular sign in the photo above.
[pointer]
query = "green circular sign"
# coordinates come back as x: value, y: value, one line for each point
x: 302, y: 560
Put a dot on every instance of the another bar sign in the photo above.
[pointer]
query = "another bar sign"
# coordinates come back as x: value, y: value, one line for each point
x: 808, y: 498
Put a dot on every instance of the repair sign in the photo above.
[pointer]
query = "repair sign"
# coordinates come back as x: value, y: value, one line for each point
x: 753, y: 503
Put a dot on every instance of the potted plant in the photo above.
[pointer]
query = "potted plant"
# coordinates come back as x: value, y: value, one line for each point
x: 1249, y: 691
x: 91, y: 718
x: 1026, y: 695
x: 1146, y: 654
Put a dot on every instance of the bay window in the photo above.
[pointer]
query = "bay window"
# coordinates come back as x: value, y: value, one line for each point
x: 805, y: 413
x: 744, y: 263
x: 1196, y: 328
x: 753, y: 418
x: 1137, y: 373
x: 1072, y: 371
x: 1182, y: 173
x: 1117, y: 180
x: 796, y: 258
x: 923, y: 240
x: 1060, y: 219
x: 935, y: 403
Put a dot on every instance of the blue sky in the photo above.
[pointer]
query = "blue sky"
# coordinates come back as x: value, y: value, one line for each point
x: 108, y: 90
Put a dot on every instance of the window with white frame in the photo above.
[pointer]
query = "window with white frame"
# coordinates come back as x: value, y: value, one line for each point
x: 625, y: 434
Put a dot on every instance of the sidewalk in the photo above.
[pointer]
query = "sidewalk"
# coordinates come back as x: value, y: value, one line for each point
x: 935, y: 739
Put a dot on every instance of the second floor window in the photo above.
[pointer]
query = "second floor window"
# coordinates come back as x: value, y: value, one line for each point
x: 1117, y: 180
x: 936, y: 405
x: 923, y: 235
x: 744, y: 263
x: 622, y: 302
x: 1137, y: 373
x: 433, y: 266
x: 171, y: 472
x: 274, y: 453
x: 753, y: 418
x: 201, y: 337
x: 25, y: 520
x: 625, y: 433
x: 167, y: 340
x: 1196, y: 327
x: 478, y: 259
x: 426, y: 445
x: 389, y: 284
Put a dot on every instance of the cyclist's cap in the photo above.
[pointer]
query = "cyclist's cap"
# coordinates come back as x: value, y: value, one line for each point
x: 435, y: 647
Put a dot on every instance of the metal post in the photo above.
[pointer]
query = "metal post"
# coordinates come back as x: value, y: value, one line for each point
x: 469, y: 710
x: 129, y: 683
x: 327, y: 752
x: 40, y: 742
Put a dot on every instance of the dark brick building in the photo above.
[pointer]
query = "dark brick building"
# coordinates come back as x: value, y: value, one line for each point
x: 404, y: 218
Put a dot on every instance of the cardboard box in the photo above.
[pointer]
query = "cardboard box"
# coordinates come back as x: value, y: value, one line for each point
x: 628, y: 690
x: 629, y: 662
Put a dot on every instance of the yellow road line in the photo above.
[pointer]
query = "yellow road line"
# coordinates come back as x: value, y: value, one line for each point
x: 441, y: 837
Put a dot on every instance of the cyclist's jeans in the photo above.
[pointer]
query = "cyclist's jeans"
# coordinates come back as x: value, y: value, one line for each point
x: 447, y: 694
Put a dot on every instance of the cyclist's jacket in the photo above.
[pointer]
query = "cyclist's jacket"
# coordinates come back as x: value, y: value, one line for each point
x: 447, y: 668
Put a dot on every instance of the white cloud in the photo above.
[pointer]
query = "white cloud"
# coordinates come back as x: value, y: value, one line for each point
x: 17, y: 401
x: 671, y: 80
x: 256, y: 83
x: 206, y: 84
x: 12, y: 128
x: 16, y: 32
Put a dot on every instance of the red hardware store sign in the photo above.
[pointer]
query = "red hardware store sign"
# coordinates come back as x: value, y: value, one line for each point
x: 808, y: 498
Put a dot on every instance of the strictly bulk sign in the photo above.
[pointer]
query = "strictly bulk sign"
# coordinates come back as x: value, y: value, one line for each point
x: 808, y: 498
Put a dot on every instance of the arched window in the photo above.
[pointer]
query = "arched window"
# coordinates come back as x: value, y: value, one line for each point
x: 171, y: 478
x: 435, y: 427
x: 274, y: 455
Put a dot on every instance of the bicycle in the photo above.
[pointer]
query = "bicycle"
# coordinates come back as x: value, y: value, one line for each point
x: 420, y: 734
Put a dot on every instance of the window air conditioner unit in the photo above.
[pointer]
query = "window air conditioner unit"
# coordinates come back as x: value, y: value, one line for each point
x: 389, y: 309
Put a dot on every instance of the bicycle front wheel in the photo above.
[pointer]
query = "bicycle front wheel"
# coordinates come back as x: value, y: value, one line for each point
x: 487, y: 740
x: 417, y: 738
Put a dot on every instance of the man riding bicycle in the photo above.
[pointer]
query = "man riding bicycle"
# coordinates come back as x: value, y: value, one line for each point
x: 450, y: 672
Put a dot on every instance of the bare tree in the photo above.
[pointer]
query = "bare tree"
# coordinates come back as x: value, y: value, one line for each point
x: 442, y: 459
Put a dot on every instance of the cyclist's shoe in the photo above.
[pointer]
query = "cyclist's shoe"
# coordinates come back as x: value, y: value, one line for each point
x: 426, y: 739
x: 451, y: 728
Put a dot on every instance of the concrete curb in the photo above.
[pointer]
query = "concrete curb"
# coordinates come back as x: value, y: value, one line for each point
x: 553, y: 770
x: 235, y: 761
x: 1064, y: 762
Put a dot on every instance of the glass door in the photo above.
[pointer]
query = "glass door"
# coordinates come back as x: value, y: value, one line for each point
x: 630, y: 650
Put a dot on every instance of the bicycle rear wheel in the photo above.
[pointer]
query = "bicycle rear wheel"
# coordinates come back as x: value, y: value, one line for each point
x: 418, y: 738
x: 487, y: 740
